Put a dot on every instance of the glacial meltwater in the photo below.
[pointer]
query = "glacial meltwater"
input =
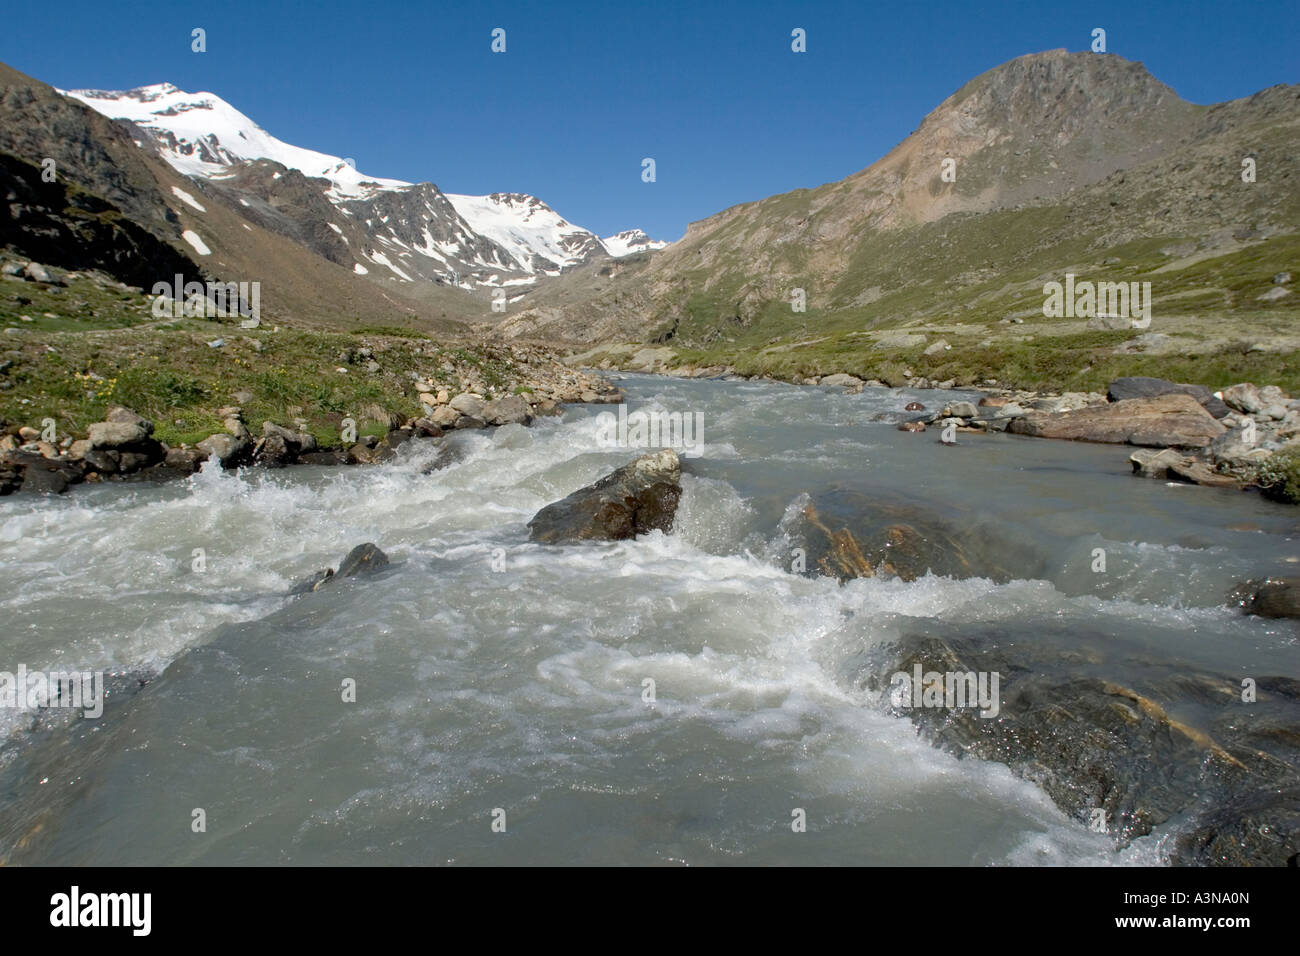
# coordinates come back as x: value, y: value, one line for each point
x: 679, y: 699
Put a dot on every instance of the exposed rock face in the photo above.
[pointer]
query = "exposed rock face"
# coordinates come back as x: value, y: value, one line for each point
x: 1097, y: 744
x: 364, y: 559
x: 1171, y: 464
x: 636, y: 499
x: 1141, y: 386
x: 1172, y: 420
x: 59, y: 224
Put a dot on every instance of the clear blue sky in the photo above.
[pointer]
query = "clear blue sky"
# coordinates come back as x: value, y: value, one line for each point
x: 584, y: 91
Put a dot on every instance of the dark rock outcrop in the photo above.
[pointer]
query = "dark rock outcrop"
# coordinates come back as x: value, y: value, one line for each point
x: 636, y: 499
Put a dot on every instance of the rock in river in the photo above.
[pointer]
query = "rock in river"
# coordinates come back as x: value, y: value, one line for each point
x: 1272, y: 597
x: 636, y: 499
x: 362, y: 560
x: 848, y: 534
x: 1095, y: 743
x: 1165, y: 421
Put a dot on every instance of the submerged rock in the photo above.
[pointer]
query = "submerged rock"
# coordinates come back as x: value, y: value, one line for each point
x: 1097, y: 745
x: 636, y: 499
x: 847, y: 534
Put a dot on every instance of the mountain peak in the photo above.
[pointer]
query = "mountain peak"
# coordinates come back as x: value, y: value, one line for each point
x: 203, y: 136
x: 1059, y: 88
x: 629, y: 241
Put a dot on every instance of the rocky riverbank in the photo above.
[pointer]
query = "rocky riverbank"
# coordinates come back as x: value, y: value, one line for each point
x: 123, y: 447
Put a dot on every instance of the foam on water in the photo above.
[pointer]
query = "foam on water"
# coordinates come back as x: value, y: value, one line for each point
x: 520, y: 684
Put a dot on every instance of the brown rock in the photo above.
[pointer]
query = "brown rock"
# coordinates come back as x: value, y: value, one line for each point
x: 1173, y: 420
x: 1271, y: 597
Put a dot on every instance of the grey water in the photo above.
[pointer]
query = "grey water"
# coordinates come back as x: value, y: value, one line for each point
x: 502, y: 712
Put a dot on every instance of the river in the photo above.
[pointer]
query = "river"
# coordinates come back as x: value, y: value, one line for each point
x: 502, y: 711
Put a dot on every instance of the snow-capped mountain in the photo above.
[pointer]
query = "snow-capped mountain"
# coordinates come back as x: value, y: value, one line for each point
x: 629, y: 241
x: 530, y: 230
x: 200, y: 134
x: 390, y: 228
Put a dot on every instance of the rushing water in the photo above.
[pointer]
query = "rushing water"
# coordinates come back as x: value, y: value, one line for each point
x: 493, y: 674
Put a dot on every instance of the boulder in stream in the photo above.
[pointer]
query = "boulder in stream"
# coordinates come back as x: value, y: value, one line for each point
x: 364, y: 559
x: 1269, y: 597
x: 636, y: 499
x: 1174, y: 420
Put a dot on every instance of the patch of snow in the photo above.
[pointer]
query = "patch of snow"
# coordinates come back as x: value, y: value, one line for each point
x: 186, y: 198
x: 199, y: 245
x: 383, y: 261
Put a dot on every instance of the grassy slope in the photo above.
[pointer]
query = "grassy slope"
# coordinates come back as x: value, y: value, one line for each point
x: 99, y: 345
